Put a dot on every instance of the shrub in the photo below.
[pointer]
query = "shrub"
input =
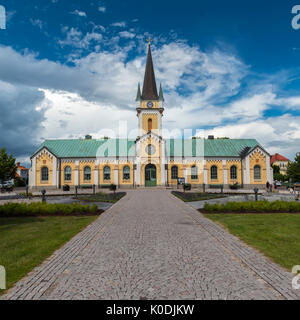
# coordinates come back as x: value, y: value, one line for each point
x: 66, y: 187
x: 23, y: 194
x: 19, y: 182
x: 187, y: 187
x: 254, y: 207
x: 113, y: 187
x: 235, y: 186
x: 44, y: 209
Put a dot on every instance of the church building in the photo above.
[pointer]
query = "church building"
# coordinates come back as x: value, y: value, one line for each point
x: 150, y: 160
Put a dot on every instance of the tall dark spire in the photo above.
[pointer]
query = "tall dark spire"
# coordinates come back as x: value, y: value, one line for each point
x: 161, y: 94
x: 149, y: 87
x: 138, y: 95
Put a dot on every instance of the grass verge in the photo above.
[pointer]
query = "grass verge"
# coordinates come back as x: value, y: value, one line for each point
x: 196, y: 196
x: 277, y: 236
x: 103, y: 197
x: 27, y: 242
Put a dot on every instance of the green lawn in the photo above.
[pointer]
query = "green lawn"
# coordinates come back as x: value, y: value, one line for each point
x: 27, y: 242
x: 196, y: 196
x: 103, y: 197
x: 277, y: 236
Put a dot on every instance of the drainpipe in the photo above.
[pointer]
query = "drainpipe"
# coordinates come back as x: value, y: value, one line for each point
x: 242, y: 171
x: 59, y: 174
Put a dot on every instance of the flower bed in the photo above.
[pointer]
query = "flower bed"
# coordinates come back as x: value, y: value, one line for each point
x: 44, y: 209
x: 253, y: 207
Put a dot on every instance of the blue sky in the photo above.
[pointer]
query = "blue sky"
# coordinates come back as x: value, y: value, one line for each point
x: 230, y: 68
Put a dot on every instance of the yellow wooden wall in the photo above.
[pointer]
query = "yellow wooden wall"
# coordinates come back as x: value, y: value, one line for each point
x: 219, y: 165
x: 238, y: 165
x: 257, y: 158
x: 44, y: 160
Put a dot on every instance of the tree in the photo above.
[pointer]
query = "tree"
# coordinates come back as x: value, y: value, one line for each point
x: 276, y: 173
x: 8, y: 168
x: 293, y: 170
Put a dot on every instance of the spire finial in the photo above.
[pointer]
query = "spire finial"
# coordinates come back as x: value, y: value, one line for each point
x: 149, y: 40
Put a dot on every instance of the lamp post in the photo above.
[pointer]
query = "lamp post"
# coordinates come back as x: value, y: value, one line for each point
x: 43, y: 195
x: 256, y: 193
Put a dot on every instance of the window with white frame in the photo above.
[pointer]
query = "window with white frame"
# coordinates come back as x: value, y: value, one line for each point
x: 68, y: 174
x: 194, y: 173
x: 233, y: 173
x: 257, y: 173
x: 106, y: 173
x: 174, y: 173
x: 214, y: 173
x: 45, y: 174
x: 126, y: 173
x: 87, y: 174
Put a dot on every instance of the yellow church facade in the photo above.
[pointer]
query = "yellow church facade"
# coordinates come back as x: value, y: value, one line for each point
x: 150, y: 160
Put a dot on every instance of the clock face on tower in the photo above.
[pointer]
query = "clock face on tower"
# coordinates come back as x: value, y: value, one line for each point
x: 150, y: 104
x: 150, y: 149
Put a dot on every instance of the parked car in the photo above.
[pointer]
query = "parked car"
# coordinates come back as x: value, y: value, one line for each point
x: 297, y: 185
x: 7, y: 186
x: 277, y: 184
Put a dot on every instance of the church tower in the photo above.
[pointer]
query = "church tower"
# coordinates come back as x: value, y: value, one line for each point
x: 149, y: 104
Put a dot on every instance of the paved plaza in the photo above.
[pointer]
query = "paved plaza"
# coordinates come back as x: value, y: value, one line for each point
x: 151, y: 245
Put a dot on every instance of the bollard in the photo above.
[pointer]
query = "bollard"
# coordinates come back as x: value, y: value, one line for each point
x: 27, y: 188
x: 94, y: 189
x: 203, y: 187
x: 222, y: 188
x: 43, y: 195
x: 76, y: 191
x: 256, y: 193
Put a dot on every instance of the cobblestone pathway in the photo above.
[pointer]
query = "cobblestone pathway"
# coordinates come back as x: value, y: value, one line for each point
x: 150, y: 245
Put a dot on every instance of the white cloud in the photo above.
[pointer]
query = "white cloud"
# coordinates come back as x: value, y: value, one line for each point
x: 76, y: 39
x: 100, y: 88
x: 37, y: 23
x: 102, y: 9
x: 79, y: 13
x: 126, y: 34
x: 121, y: 24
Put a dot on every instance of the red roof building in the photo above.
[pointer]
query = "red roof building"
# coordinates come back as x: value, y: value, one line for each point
x: 280, y: 161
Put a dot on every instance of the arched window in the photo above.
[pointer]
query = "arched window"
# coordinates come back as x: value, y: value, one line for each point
x: 214, y: 173
x: 87, y: 174
x: 257, y: 173
x: 149, y: 125
x: 194, y: 173
x: 68, y: 174
x: 126, y: 173
x: 45, y: 174
x: 174, y: 173
x: 106, y: 173
x: 233, y: 173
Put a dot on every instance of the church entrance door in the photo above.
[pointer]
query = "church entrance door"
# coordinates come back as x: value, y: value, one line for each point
x: 150, y: 176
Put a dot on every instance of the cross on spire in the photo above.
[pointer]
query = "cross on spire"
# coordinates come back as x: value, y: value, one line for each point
x: 149, y: 40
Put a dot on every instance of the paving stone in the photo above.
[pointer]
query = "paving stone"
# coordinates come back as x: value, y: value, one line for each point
x: 151, y: 245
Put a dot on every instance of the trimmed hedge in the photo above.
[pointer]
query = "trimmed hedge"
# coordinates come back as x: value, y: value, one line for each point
x: 44, y: 209
x: 254, y: 207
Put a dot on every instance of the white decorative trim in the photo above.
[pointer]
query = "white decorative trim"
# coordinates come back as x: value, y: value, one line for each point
x: 96, y: 176
x: 268, y: 166
x: 246, y: 172
x: 32, y: 179
x: 54, y: 173
x: 116, y: 176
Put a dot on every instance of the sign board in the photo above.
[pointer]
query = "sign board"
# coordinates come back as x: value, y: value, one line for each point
x: 181, y: 181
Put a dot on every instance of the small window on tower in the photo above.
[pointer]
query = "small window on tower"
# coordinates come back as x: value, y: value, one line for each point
x: 149, y: 125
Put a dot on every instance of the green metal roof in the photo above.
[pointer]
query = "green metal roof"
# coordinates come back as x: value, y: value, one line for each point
x: 85, y: 148
x: 208, y: 148
x: 90, y: 148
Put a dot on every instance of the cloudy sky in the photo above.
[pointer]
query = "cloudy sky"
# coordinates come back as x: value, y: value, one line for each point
x: 71, y: 68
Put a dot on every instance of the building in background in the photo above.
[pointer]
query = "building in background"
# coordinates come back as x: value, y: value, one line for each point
x: 22, y: 172
x: 150, y: 159
x: 280, y: 161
